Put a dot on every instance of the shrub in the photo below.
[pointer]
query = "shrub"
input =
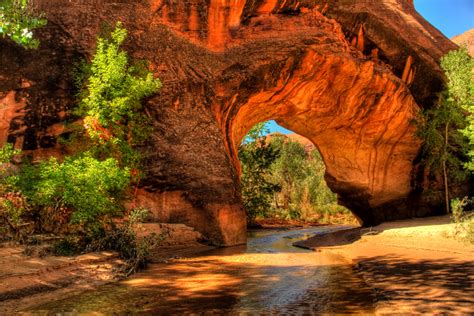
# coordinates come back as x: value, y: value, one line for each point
x: 68, y: 246
x: 93, y: 189
x: 124, y: 240
x: 89, y: 187
x: 462, y: 219
x: 17, y: 22
x: 14, y: 207
x: 112, y: 99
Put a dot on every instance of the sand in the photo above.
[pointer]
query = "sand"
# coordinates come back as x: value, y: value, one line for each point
x: 414, y: 266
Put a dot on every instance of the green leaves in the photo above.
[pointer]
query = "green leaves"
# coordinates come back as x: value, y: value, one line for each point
x: 90, y: 187
x: 443, y: 142
x: 7, y: 152
x: 18, y: 23
x: 304, y: 192
x: 459, y: 66
x: 445, y: 128
x: 112, y: 103
x: 256, y: 157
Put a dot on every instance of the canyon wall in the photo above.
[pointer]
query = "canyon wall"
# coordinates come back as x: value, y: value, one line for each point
x: 349, y: 75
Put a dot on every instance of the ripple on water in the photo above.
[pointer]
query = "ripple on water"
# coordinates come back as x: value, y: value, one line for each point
x: 269, y: 276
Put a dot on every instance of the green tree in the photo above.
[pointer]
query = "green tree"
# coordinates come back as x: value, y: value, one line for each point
x: 445, y: 146
x: 288, y: 169
x: 256, y: 156
x: 304, y: 194
x: 458, y: 66
x: 112, y: 101
x: 18, y: 22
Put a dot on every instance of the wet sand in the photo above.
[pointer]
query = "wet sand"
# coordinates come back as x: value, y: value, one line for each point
x: 415, y: 267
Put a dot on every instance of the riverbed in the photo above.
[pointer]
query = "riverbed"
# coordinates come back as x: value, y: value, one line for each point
x: 267, y: 276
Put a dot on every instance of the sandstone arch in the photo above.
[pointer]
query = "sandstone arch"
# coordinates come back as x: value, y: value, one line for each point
x: 345, y: 74
x: 362, y: 126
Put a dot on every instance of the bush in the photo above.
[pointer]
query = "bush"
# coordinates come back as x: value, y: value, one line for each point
x: 112, y: 99
x: 17, y: 22
x: 463, y: 220
x: 125, y: 241
x: 91, y: 188
x: 68, y: 246
x: 14, y: 207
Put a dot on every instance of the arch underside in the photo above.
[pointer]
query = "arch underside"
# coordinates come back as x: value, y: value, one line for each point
x: 357, y: 114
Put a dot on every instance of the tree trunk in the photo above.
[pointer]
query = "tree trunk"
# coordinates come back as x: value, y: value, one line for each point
x: 445, y: 172
x: 275, y: 197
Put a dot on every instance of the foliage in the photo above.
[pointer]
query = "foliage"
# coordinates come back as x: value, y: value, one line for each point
x: 458, y: 206
x: 13, y: 204
x: 463, y: 220
x: 7, y: 152
x: 91, y: 188
x: 256, y: 157
x: 443, y: 143
x: 458, y: 66
x: 112, y: 100
x: 445, y: 147
x: 281, y: 180
x: 124, y: 240
x: 287, y: 169
x: 68, y: 246
x: 17, y: 22
x: 304, y: 193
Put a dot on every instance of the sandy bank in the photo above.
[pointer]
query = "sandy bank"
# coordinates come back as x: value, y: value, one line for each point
x: 414, y: 266
x: 31, y: 279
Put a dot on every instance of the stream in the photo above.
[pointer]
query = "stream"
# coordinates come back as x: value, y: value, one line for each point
x: 267, y: 276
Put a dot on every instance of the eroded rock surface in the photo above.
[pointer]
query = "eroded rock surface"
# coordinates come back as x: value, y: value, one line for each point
x: 349, y: 75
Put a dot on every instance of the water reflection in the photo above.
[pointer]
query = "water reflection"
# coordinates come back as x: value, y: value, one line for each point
x: 268, y: 276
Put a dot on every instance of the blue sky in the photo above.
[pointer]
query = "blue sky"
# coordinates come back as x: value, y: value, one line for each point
x: 451, y: 17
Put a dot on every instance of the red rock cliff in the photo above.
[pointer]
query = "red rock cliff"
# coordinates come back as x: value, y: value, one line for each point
x: 349, y: 75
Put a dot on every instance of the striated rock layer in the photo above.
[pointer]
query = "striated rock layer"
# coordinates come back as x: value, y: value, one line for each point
x: 348, y: 75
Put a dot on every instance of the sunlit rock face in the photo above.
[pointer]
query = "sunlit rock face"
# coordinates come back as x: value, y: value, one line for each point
x: 467, y: 40
x: 348, y: 75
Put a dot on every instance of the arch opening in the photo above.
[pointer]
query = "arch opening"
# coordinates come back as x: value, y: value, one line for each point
x: 282, y: 180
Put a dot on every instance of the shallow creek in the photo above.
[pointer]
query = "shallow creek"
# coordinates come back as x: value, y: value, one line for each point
x: 268, y: 276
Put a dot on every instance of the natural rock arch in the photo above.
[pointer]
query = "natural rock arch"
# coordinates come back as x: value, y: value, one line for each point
x: 344, y: 74
x: 362, y: 127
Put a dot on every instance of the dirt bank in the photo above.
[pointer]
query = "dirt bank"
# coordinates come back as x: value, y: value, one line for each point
x: 28, y: 279
x: 414, y: 266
